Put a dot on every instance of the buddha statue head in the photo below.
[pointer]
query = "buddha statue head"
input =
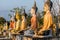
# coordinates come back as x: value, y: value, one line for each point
x: 17, y: 15
x: 23, y: 17
x: 34, y: 8
x: 24, y: 13
x: 48, y: 5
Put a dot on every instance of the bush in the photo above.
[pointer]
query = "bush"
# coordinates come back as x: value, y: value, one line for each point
x: 2, y: 20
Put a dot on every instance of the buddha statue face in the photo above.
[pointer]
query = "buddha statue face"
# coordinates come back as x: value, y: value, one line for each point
x: 17, y: 16
x: 46, y: 7
x: 23, y: 17
x: 32, y: 11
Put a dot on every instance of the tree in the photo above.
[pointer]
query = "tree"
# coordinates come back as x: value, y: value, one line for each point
x: 2, y: 20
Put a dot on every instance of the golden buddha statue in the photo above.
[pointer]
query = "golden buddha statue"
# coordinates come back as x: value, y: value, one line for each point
x: 17, y: 21
x: 5, y: 26
x: 48, y: 21
x: 23, y: 23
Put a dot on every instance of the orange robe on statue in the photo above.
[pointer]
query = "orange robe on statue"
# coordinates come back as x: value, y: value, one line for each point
x: 34, y: 22
x: 12, y: 25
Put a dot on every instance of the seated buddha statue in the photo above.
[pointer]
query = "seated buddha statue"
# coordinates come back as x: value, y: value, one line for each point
x: 34, y: 25
x: 48, y: 19
x: 6, y: 26
x: 18, y: 21
x: 23, y: 23
x: 12, y: 23
x: 34, y: 20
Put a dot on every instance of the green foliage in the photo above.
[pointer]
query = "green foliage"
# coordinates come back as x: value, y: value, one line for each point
x: 2, y: 20
x: 43, y: 12
x: 41, y: 21
x: 10, y: 15
x: 29, y: 20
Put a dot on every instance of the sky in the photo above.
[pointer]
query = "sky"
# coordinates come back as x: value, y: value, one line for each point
x: 7, y: 5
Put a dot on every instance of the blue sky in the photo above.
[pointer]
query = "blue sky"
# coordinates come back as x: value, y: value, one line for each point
x: 7, y: 5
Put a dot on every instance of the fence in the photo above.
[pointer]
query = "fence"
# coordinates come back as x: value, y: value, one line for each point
x: 29, y: 37
x: 26, y: 37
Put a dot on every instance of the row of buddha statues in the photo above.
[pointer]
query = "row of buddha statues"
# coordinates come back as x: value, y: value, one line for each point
x: 21, y: 25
